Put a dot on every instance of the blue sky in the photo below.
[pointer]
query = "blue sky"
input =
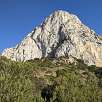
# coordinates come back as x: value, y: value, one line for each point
x: 19, y: 17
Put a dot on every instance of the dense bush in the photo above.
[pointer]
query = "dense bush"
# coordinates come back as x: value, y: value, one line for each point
x: 76, y: 88
x: 74, y: 84
x: 16, y: 82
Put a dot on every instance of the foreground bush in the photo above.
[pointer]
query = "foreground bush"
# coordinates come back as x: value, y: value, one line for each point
x: 74, y: 83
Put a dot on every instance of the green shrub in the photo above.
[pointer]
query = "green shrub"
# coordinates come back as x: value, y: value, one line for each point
x: 74, y: 89
x: 18, y: 83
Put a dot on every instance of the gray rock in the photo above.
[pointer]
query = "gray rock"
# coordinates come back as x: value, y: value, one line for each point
x: 61, y: 34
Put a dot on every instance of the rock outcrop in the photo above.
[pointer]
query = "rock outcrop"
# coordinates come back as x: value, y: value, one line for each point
x: 61, y: 34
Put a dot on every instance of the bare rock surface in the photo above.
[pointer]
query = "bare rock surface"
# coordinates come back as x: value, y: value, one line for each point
x: 61, y: 34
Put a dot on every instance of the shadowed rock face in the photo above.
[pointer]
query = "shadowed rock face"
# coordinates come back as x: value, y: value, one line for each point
x: 61, y: 34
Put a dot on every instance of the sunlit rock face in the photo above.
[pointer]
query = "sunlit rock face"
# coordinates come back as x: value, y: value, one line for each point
x: 61, y: 34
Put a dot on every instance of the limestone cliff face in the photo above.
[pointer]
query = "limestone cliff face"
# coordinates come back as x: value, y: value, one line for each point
x: 61, y: 34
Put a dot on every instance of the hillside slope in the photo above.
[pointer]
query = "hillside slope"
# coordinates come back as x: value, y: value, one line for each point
x: 24, y: 81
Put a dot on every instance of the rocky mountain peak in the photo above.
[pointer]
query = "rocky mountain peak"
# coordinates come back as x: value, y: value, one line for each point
x: 61, y: 34
x: 62, y: 17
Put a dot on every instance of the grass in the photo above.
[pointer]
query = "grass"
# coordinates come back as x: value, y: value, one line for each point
x: 23, y: 81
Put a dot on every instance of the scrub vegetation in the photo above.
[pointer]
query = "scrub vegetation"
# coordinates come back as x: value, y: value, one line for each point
x: 25, y: 81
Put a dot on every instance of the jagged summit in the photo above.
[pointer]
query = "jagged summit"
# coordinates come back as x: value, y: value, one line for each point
x: 61, y: 18
x: 62, y: 15
x: 61, y: 34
